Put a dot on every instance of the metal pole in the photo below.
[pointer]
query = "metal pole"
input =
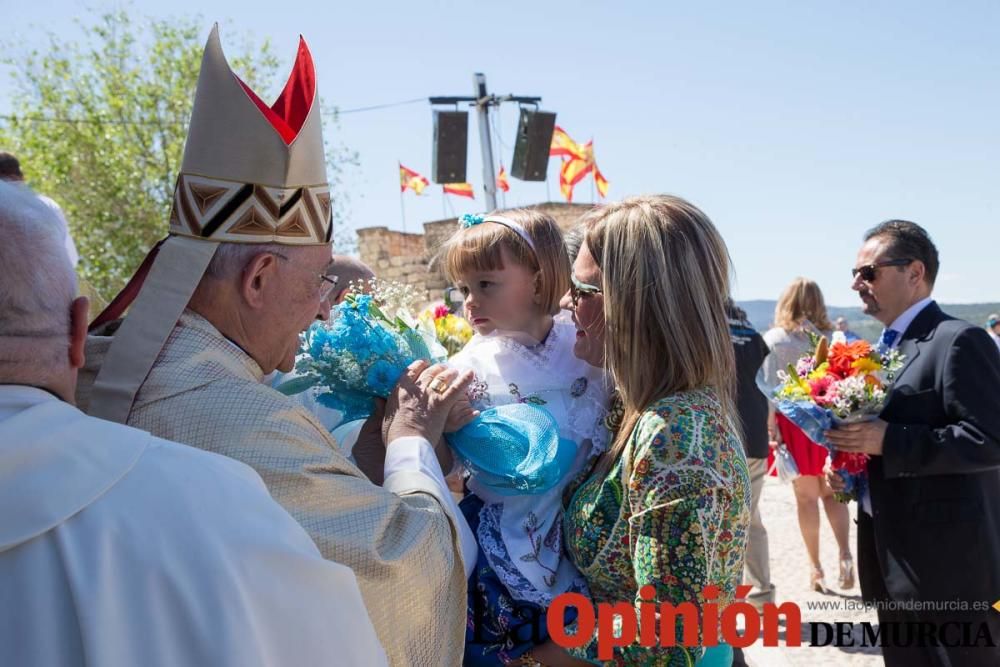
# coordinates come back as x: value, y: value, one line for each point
x: 402, y: 210
x: 483, y: 110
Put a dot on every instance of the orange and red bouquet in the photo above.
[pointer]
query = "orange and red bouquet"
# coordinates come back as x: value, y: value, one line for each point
x: 837, y: 384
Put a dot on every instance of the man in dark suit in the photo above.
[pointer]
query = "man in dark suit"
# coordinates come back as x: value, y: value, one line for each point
x: 929, y: 527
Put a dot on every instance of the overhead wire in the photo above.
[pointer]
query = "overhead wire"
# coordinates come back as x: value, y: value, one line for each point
x: 119, y: 121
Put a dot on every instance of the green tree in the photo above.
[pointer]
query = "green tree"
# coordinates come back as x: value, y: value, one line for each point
x: 100, y: 127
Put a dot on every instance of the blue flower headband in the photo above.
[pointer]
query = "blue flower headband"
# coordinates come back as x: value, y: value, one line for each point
x: 470, y: 220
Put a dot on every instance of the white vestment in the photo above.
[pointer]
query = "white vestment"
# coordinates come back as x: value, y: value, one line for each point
x: 406, y: 542
x: 119, y: 548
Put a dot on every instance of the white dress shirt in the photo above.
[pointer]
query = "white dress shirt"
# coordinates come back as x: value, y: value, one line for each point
x: 899, y: 325
x: 903, y: 322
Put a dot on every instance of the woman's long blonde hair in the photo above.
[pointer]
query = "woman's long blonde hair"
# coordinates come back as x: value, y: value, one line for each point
x: 665, y: 276
x: 801, y: 300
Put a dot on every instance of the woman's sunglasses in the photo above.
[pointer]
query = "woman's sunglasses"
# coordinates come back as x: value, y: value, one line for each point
x: 578, y: 289
x: 869, y: 272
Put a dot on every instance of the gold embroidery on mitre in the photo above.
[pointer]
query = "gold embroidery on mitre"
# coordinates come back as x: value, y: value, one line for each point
x: 224, y: 210
x: 204, y: 195
x: 269, y: 198
x: 294, y: 225
x: 323, y: 198
x: 183, y: 213
x: 253, y: 222
x: 313, y: 217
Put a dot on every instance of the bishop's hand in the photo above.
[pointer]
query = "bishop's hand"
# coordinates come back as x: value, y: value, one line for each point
x: 421, y: 401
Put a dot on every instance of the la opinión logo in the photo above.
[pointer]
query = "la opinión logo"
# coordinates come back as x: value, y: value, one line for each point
x: 620, y: 624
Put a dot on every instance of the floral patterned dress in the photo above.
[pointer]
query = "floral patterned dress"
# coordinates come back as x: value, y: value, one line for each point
x: 672, y: 512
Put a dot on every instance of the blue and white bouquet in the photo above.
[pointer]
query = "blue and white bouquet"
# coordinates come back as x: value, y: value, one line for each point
x: 360, y: 354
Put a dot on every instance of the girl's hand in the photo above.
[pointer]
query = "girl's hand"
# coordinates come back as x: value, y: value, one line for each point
x: 460, y: 415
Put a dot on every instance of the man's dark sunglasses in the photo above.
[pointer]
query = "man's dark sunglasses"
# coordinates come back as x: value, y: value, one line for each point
x: 869, y: 271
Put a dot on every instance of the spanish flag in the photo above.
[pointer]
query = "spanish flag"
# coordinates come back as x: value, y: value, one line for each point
x: 502, y: 181
x: 600, y: 182
x: 412, y: 180
x: 564, y: 146
x: 571, y: 173
x: 574, y: 170
x: 459, y: 189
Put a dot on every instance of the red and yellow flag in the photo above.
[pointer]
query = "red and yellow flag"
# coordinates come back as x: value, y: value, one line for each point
x: 600, y: 182
x: 412, y: 180
x: 502, y: 181
x: 459, y: 189
x: 571, y: 173
x: 564, y: 146
x: 578, y: 161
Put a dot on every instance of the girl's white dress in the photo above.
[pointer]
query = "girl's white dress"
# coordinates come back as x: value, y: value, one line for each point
x: 520, y: 535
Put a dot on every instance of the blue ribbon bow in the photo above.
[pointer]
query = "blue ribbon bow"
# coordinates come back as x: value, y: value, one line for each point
x: 470, y: 219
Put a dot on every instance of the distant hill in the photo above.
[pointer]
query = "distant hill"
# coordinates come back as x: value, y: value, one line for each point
x: 761, y: 314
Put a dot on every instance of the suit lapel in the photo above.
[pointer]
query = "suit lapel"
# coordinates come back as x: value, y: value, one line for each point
x: 921, y: 330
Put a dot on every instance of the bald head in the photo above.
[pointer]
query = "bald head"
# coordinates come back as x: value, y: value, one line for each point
x: 38, y: 304
x: 350, y: 270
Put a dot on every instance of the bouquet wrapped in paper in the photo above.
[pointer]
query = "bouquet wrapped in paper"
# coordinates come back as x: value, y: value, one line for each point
x: 360, y: 353
x: 834, y: 384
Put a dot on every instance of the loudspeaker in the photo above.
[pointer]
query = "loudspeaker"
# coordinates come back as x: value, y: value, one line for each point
x: 531, y: 150
x: 451, y: 136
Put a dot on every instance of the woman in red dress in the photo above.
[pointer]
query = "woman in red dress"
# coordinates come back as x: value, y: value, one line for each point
x: 800, y: 305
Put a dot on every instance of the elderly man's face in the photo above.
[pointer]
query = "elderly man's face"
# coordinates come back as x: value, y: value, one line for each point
x: 294, y: 302
x: 893, y: 288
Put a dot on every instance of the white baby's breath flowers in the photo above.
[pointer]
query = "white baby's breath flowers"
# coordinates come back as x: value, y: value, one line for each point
x: 395, y: 299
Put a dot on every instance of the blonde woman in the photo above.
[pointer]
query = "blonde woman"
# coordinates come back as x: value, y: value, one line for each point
x: 800, y: 305
x: 666, y: 509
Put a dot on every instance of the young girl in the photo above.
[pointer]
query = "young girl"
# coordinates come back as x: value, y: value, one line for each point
x: 512, y: 269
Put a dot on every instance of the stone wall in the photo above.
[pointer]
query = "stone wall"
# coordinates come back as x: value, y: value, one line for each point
x: 405, y: 257
x: 396, y: 256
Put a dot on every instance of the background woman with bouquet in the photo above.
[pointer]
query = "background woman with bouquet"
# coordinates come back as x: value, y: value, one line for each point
x: 801, y: 308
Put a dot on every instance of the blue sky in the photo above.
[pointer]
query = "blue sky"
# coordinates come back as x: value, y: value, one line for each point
x: 794, y: 125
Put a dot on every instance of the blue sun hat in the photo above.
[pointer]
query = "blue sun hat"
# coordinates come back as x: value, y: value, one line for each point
x: 514, y: 449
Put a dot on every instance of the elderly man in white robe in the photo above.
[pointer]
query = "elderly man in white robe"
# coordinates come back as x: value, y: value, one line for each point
x: 245, y: 269
x: 119, y: 548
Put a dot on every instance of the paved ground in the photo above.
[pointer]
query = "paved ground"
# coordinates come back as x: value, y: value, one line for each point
x: 790, y: 573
